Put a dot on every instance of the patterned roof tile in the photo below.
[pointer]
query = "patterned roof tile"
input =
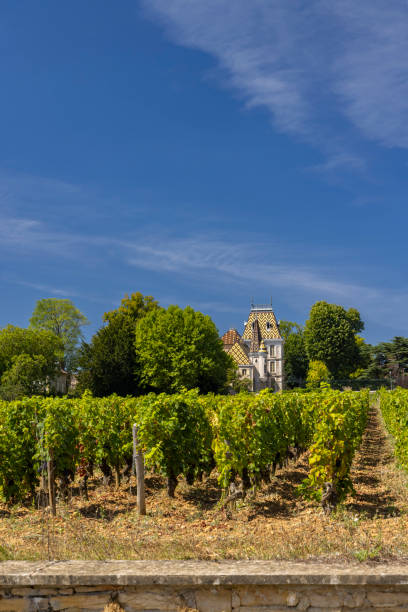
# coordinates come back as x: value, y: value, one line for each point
x: 239, y: 355
x: 264, y: 317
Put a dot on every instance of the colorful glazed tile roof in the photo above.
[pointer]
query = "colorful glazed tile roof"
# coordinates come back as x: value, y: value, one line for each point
x: 263, y: 317
x: 256, y: 337
x: 230, y: 338
x: 239, y: 355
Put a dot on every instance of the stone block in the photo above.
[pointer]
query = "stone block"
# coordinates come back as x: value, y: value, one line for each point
x: 354, y: 599
x: 327, y: 599
x: 90, y: 601
x: 262, y: 596
x: 323, y: 609
x: 95, y: 589
x: 387, y: 599
x: 264, y: 609
x: 17, y: 604
x: 151, y: 599
x: 40, y: 591
x: 304, y: 603
x: 235, y: 601
x: 213, y: 600
x: 292, y: 599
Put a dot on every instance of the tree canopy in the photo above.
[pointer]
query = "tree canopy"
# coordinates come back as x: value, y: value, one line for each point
x: 181, y: 349
x: 296, y: 360
x: 133, y: 307
x: 316, y: 374
x: 109, y: 363
x: 63, y: 319
x: 29, y: 359
x: 330, y: 337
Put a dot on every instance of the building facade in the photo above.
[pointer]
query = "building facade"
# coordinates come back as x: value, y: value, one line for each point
x: 258, y: 353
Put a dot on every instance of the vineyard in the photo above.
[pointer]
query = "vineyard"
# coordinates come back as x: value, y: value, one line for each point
x: 243, y: 437
x: 293, y: 475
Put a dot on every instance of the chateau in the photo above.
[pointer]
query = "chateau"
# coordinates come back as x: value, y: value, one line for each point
x: 258, y: 353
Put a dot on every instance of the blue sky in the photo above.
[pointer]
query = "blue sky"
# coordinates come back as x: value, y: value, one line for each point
x: 203, y: 152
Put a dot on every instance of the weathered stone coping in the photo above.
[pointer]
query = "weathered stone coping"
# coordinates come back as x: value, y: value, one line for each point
x: 172, y: 573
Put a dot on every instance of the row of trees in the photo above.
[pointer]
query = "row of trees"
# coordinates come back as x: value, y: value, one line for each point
x: 143, y: 347
x: 329, y: 347
x: 32, y: 359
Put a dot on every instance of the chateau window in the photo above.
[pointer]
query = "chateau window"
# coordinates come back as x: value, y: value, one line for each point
x: 243, y: 372
x: 273, y: 366
x: 272, y: 350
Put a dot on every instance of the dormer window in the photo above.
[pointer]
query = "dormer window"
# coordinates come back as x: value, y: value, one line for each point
x: 268, y: 325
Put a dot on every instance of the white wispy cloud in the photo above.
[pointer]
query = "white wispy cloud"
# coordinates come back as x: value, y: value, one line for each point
x: 296, y: 283
x: 226, y: 261
x: 309, y: 63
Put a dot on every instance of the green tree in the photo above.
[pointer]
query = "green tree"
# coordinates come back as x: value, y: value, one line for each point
x: 63, y: 319
x: 29, y: 360
x: 317, y: 373
x: 17, y: 341
x: 27, y: 376
x: 181, y: 349
x: 109, y: 363
x: 330, y: 337
x: 287, y: 328
x: 296, y: 360
x: 133, y: 307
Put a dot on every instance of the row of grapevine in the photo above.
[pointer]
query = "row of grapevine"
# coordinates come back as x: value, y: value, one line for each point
x: 394, y: 409
x: 243, y: 436
x: 339, y: 427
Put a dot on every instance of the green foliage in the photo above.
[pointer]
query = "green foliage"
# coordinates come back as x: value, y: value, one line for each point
x: 316, y: 374
x: 29, y: 359
x: 252, y: 433
x: 394, y: 408
x: 296, y: 360
x: 109, y: 363
x: 26, y: 376
x: 17, y: 341
x: 340, y: 420
x: 287, y: 328
x: 58, y: 435
x: 63, y: 319
x: 105, y: 430
x: 330, y: 337
x: 184, y: 433
x: 134, y: 307
x: 175, y: 433
x: 181, y: 349
x: 18, y: 447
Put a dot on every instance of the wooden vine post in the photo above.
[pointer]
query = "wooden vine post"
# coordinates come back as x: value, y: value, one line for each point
x: 138, y: 462
x: 51, y: 483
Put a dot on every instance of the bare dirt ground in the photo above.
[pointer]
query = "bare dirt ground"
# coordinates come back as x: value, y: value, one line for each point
x: 275, y: 524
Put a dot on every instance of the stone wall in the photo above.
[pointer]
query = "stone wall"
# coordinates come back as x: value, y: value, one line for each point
x: 187, y: 586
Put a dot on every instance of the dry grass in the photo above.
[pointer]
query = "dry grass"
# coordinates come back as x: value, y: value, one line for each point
x: 275, y: 525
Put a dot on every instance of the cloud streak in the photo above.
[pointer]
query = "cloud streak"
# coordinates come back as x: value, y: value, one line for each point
x: 219, y: 263
x: 311, y: 64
